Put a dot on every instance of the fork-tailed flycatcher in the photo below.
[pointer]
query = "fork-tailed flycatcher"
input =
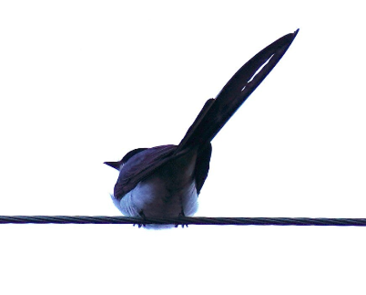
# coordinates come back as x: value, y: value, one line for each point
x: 165, y: 181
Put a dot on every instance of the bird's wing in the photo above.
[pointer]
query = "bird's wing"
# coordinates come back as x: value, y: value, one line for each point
x: 140, y: 165
x: 202, y: 166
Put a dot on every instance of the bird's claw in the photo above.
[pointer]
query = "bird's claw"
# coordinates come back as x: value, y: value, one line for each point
x: 139, y: 224
x: 142, y: 215
x: 181, y: 214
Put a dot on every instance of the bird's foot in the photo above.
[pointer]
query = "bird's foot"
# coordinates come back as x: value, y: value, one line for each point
x: 142, y: 215
x: 181, y: 214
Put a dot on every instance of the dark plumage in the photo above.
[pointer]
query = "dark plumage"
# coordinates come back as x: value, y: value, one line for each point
x: 166, y: 180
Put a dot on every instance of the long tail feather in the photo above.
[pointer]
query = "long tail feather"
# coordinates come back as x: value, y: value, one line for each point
x: 216, y: 112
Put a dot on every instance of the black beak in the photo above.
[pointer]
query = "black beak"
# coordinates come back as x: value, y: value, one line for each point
x: 115, y: 165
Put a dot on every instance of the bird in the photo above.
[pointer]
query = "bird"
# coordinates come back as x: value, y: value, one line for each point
x: 165, y: 181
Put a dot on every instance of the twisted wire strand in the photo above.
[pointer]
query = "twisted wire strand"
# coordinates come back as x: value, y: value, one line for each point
x: 277, y: 221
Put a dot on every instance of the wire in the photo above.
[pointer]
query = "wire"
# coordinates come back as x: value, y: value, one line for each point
x: 279, y: 221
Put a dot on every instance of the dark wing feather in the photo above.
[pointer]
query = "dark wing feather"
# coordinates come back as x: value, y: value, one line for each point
x: 202, y: 166
x: 141, y: 165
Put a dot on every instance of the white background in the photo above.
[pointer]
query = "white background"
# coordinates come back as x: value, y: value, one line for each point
x: 83, y: 82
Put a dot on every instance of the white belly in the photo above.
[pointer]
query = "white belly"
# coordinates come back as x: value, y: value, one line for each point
x: 153, y: 200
